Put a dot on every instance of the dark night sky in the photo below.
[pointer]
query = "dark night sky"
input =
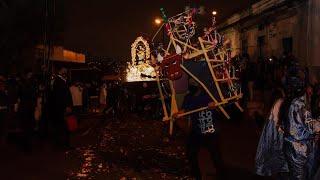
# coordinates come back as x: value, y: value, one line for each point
x: 108, y: 27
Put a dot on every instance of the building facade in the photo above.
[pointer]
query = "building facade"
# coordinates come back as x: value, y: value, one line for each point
x: 274, y: 27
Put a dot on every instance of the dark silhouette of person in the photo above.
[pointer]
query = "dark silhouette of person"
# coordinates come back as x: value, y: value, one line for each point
x: 4, y: 108
x: 27, y: 96
x: 60, y: 102
x: 205, y: 130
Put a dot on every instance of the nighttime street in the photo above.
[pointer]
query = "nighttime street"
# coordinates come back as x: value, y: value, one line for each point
x: 130, y: 148
x: 161, y: 89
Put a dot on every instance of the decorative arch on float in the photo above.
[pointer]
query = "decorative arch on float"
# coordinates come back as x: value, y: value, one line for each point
x: 134, y: 48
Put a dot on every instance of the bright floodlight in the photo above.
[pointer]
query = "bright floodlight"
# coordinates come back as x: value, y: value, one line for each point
x: 214, y: 13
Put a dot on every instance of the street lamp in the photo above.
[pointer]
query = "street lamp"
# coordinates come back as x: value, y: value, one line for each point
x: 214, y: 13
x: 158, y: 21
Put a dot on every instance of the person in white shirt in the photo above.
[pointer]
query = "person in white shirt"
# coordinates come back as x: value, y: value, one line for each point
x: 103, y: 97
x: 76, y: 93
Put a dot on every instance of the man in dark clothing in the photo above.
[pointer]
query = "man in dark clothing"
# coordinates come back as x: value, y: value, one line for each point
x: 60, y: 103
x: 113, y: 98
x: 13, y: 93
x: 27, y: 96
x: 204, y: 132
x: 147, y: 100
x: 4, y: 107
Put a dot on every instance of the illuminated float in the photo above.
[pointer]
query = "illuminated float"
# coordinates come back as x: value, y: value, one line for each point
x: 140, y: 69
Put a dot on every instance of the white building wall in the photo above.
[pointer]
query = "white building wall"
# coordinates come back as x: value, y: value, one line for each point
x: 251, y: 36
x: 273, y: 36
x: 233, y: 35
x: 302, y: 26
x: 313, y: 33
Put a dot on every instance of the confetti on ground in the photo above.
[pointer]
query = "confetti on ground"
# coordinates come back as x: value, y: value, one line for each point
x: 131, y: 150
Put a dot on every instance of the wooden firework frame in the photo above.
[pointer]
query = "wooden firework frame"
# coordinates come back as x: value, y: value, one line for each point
x: 215, y: 57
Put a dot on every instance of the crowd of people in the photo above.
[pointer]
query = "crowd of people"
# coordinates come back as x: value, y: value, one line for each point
x: 289, y: 143
x: 20, y: 99
x: 31, y: 107
x: 262, y: 78
x: 264, y: 74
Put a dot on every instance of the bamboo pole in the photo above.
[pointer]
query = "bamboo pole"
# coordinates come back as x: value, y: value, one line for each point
x: 174, y: 106
x: 211, y: 70
x: 214, y: 60
x: 168, y: 48
x: 217, y: 65
x: 173, y: 41
x: 191, y: 112
x: 193, y: 55
x: 233, y: 98
x: 185, y: 44
x: 235, y: 93
x: 226, y: 79
x: 197, y: 110
x: 239, y: 107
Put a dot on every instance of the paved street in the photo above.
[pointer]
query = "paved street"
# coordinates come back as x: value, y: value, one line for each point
x: 130, y: 148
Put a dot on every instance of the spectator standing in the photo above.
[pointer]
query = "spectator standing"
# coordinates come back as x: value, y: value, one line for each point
x: 13, y: 88
x: 60, y: 104
x: 39, y: 109
x: 315, y: 101
x: 103, y: 96
x: 13, y: 84
x: 113, y: 97
x: 4, y: 108
x: 300, y: 128
x: 250, y: 77
x: 77, y: 93
x: 27, y: 96
x: 85, y: 96
x: 270, y: 159
x: 204, y: 130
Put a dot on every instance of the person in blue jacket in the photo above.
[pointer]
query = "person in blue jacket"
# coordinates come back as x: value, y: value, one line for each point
x: 270, y: 158
x: 300, y: 129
